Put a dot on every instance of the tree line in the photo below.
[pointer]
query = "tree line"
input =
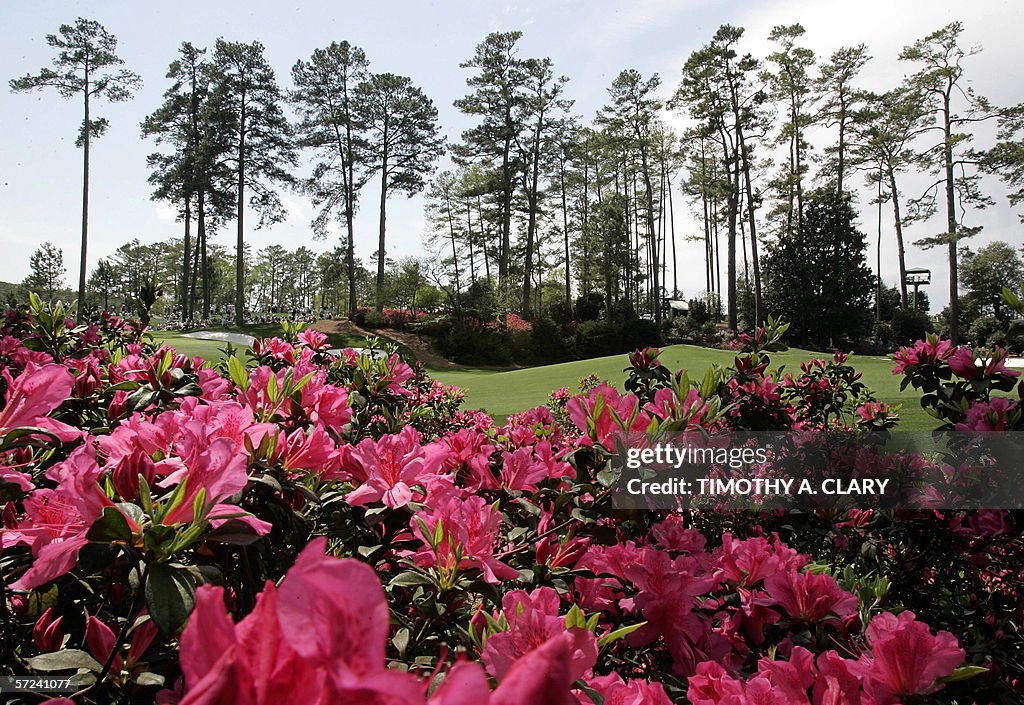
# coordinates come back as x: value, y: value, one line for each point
x: 540, y: 205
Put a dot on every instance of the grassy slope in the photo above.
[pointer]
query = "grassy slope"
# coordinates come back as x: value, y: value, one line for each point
x: 503, y: 393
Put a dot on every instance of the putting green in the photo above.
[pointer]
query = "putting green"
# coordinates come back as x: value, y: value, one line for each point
x: 501, y: 393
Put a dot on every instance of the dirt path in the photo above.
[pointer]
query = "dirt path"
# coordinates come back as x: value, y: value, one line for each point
x: 419, y: 345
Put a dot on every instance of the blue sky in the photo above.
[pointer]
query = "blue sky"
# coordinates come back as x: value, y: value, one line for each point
x: 590, y: 42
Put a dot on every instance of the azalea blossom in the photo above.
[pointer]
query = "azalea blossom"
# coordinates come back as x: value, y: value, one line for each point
x: 906, y: 658
x: 389, y: 469
x: 37, y: 391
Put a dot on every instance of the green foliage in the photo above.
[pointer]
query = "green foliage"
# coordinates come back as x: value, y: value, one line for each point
x: 47, y: 270
x: 819, y: 280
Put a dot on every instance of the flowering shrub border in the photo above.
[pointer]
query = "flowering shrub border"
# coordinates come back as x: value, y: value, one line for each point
x: 170, y: 527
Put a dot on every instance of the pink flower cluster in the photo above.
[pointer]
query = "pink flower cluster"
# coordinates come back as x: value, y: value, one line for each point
x: 903, y: 659
x: 320, y: 637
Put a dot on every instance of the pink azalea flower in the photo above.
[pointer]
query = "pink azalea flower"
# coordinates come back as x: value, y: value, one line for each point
x: 667, y: 596
x: 557, y: 552
x: 520, y: 472
x: 837, y: 683
x: 749, y: 562
x: 313, y: 339
x: 808, y: 597
x: 470, y: 529
x: 469, y: 451
x: 616, y: 691
x: 102, y: 640
x: 712, y: 685
x: 542, y: 677
x: 391, y: 467
x: 603, y: 594
x: 672, y: 535
x: 47, y: 633
x: 57, y: 520
x: 593, y: 415
x: 792, y: 678
x: 319, y: 639
x: 214, y: 466
x: 533, y: 619
x: 906, y: 658
x: 963, y: 365
x: 314, y: 452
x: 36, y: 392
x: 992, y: 415
x: 924, y: 352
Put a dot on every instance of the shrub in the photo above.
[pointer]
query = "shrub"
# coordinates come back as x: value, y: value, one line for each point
x: 988, y: 331
x: 909, y: 325
x: 547, y: 345
x: 589, y: 307
x: 597, y: 339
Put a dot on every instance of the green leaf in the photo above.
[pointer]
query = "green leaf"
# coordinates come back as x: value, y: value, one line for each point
x: 132, y: 511
x: 575, y: 618
x: 148, y: 678
x: 409, y: 579
x: 65, y: 660
x: 618, y: 634
x: 145, y: 496
x: 438, y: 533
x: 234, y: 532
x: 239, y: 374
x: 170, y: 596
x: 199, y: 506
x: 110, y: 527
x: 176, y: 498
x: 401, y: 640
x: 964, y: 673
x: 8, y: 439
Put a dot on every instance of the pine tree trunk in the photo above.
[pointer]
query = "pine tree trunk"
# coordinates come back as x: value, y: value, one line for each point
x: 86, y: 138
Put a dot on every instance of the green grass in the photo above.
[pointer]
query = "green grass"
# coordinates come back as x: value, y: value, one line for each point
x: 503, y: 393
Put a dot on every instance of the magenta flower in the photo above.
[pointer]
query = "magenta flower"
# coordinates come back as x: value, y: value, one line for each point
x: 750, y: 561
x: 791, y: 679
x: 672, y: 535
x: 470, y: 530
x: 57, y: 520
x: 47, y: 632
x: 469, y: 454
x: 808, y: 597
x: 36, y: 392
x: 319, y: 639
x: 837, y: 682
x: 924, y: 352
x: 533, y: 620
x: 102, y: 640
x: 390, y: 468
x: 519, y: 471
x: 313, y: 339
x: 616, y: 691
x: 712, y: 685
x: 994, y: 415
x: 593, y: 415
x: 645, y: 359
x: 906, y: 658
x: 963, y: 365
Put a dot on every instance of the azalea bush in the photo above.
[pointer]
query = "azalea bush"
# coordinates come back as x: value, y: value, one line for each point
x: 304, y: 525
